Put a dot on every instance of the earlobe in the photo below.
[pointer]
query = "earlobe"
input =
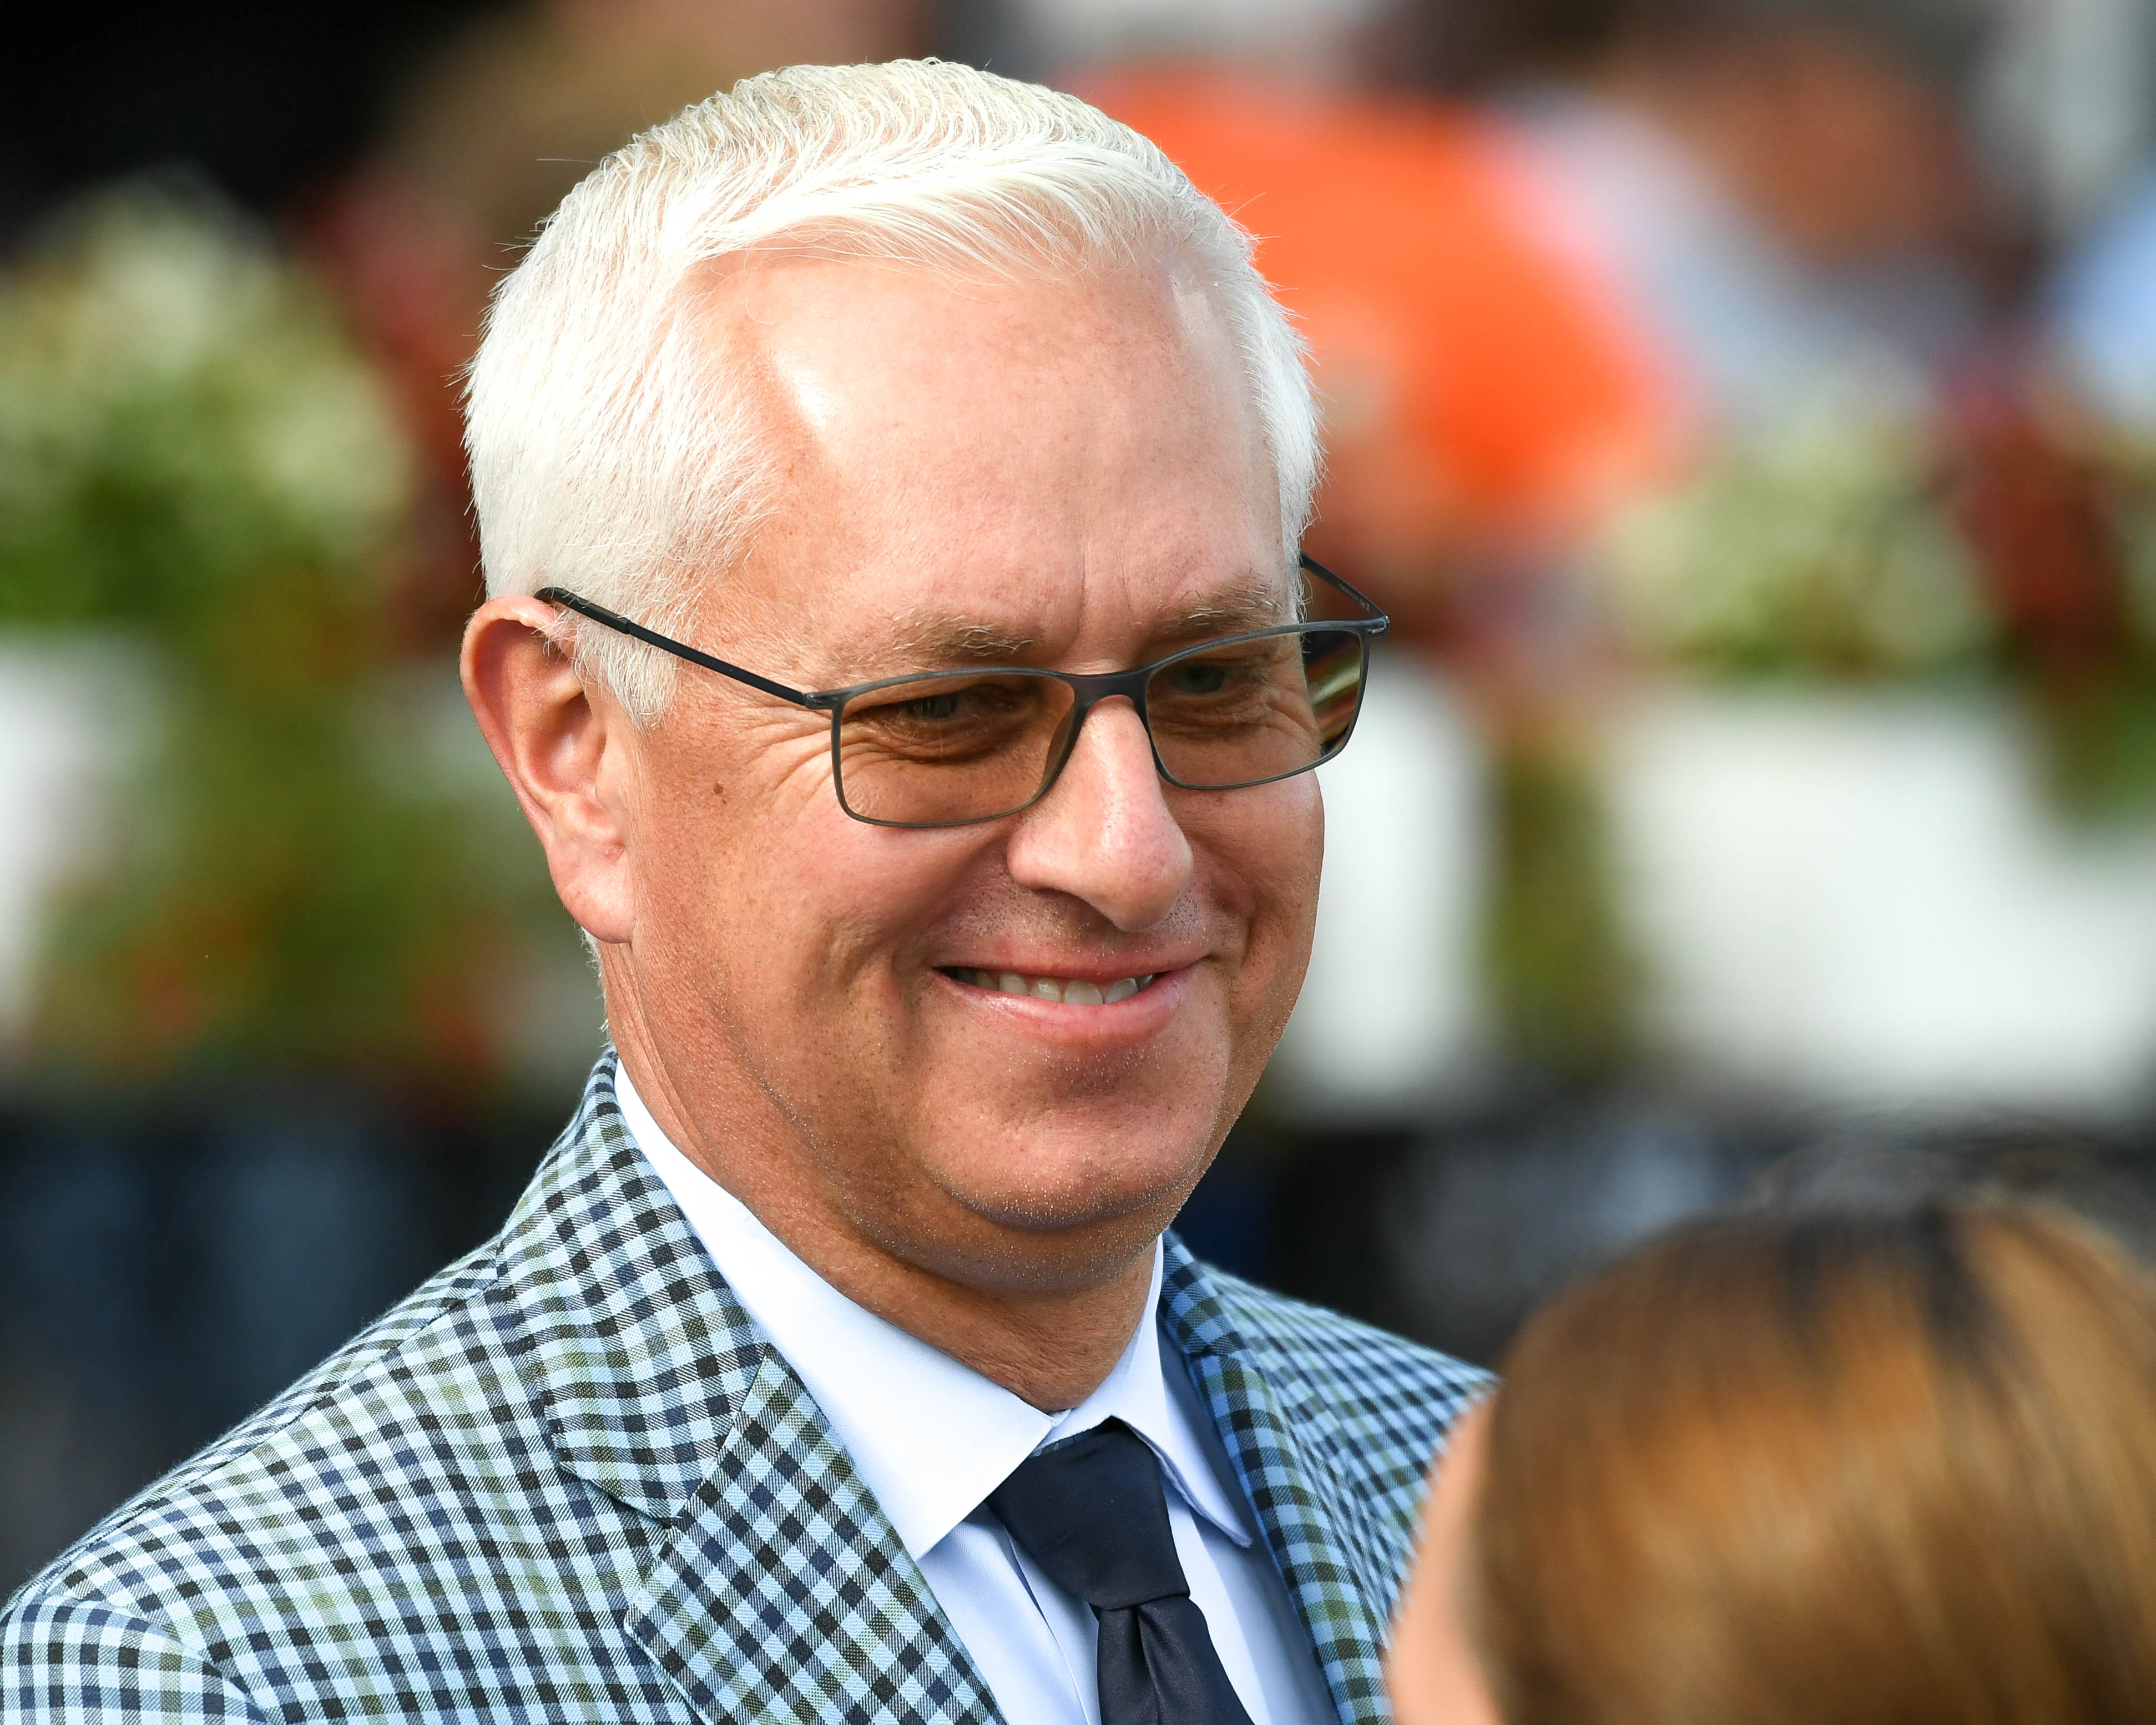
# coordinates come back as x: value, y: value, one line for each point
x: 552, y: 742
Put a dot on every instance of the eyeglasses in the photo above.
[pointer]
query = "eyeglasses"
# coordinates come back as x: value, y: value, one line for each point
x: 949, y: 748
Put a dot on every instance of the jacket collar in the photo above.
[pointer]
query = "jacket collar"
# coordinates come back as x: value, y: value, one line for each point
x: 1286, y: 1453
x: 640, y: 1355
x: 780, y: 1589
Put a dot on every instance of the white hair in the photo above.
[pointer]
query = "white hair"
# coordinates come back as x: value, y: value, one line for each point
x: 610, y: 456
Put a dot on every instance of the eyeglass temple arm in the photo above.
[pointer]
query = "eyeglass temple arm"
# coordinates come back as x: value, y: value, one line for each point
x: 636, y: 631
x: 614, y: 620
x: 1377, y: 616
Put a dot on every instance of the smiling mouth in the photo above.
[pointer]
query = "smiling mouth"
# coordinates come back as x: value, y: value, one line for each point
x: 1069, y: 991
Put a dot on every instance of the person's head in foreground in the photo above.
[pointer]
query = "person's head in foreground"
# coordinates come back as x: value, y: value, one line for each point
x: 1822, y: 1465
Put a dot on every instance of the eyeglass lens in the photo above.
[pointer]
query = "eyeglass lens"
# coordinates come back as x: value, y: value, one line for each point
x: 945, y: 749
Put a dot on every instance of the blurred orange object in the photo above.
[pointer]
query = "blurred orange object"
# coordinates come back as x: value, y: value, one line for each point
x: 1481, y: 383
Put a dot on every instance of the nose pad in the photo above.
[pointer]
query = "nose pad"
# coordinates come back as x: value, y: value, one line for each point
x: 1065, y: 744
x: 1060, y: 745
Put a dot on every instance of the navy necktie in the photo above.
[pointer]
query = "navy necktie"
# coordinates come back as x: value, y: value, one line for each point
x: 1091, y: 1512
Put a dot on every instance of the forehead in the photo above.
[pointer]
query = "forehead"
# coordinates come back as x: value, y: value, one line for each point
x: 1043, y: 465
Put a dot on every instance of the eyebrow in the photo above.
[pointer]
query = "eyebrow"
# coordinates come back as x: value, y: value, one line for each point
x: 1256, y: 606
x: 930, y: 639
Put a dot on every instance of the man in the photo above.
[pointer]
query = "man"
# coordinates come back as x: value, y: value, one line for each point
x: 836, y: 1366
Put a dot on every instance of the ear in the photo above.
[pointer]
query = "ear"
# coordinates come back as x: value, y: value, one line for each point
x: 570, y: 758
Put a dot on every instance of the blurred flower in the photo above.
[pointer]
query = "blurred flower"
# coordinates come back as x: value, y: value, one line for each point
x: 1817, y: 546
x: 1876, y: 534
x: 178, y: 406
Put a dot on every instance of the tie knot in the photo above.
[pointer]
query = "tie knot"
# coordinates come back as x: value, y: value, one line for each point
x: 1091, y: 1512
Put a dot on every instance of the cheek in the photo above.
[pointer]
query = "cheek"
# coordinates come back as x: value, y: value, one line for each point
x: 806, y: 908
x: 857, y: 898
x: 732, y: 849
x: 1263, y: 849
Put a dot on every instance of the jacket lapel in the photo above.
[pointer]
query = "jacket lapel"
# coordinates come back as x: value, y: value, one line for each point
x: 779, y: 1589
x: 782, y: 1593
x: 1283, y: 1453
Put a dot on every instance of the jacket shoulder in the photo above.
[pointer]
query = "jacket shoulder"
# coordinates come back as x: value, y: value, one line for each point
x: 257, y: 1486
x: 71, y: 1660
x: 447, y: 1517
x: 1386, y: 1403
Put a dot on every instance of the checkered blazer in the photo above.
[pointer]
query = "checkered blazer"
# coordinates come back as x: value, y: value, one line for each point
x: 569, y: 1478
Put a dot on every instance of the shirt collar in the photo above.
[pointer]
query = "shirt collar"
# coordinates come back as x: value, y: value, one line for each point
x: 929, y: 1437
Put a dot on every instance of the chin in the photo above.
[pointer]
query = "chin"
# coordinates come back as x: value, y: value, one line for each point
x: 1071, y: 1182
x: 1033, y: 1209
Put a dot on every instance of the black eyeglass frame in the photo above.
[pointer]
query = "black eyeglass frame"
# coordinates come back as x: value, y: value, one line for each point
x: 1089, y: 688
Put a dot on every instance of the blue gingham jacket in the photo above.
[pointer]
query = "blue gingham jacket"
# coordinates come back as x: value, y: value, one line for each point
x: 570, y: 1478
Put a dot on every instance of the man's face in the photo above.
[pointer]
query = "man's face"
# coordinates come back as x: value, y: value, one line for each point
x: 1061, y: 474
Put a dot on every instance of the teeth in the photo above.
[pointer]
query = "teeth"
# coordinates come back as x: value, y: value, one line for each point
x: 1067, y: 991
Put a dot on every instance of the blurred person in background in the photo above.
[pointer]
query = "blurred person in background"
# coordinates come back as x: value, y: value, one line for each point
x: 1858, y: 1457
x: 2101, y: 310
x: 797, y: 1381
x: 1790, y: 196
x: 1780, y: 190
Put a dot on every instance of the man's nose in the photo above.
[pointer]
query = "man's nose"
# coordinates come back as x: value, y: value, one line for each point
x: 1103, y: 832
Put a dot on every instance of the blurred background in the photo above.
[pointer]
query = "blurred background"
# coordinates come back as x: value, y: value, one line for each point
x: 1745, y: 407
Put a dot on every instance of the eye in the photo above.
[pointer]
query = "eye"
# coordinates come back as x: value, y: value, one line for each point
x: 948, y: 718
x: 1198, y: 676
x: 954, y: 704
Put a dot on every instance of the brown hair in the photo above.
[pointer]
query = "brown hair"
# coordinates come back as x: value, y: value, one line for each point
x: 1831, y: 1468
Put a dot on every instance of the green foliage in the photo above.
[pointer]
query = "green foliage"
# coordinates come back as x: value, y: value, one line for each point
x: 193, y: 456
x: 1820, y: 549
x: 1564, y: 981
x: 179, y: 410
x: 1866, y: 537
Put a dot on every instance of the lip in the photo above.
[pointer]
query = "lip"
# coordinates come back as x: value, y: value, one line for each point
x: 1077, y: 1029
x: 1100, y: 972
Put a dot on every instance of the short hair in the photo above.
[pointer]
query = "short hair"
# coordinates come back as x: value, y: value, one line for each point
x: 1859, y: 1464
x: 607, y: 457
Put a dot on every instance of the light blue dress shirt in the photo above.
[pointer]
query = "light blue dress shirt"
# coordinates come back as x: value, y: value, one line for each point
x: 932, y: 1439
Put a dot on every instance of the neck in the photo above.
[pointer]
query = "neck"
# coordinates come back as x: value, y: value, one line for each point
x: 1050, y: 1345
